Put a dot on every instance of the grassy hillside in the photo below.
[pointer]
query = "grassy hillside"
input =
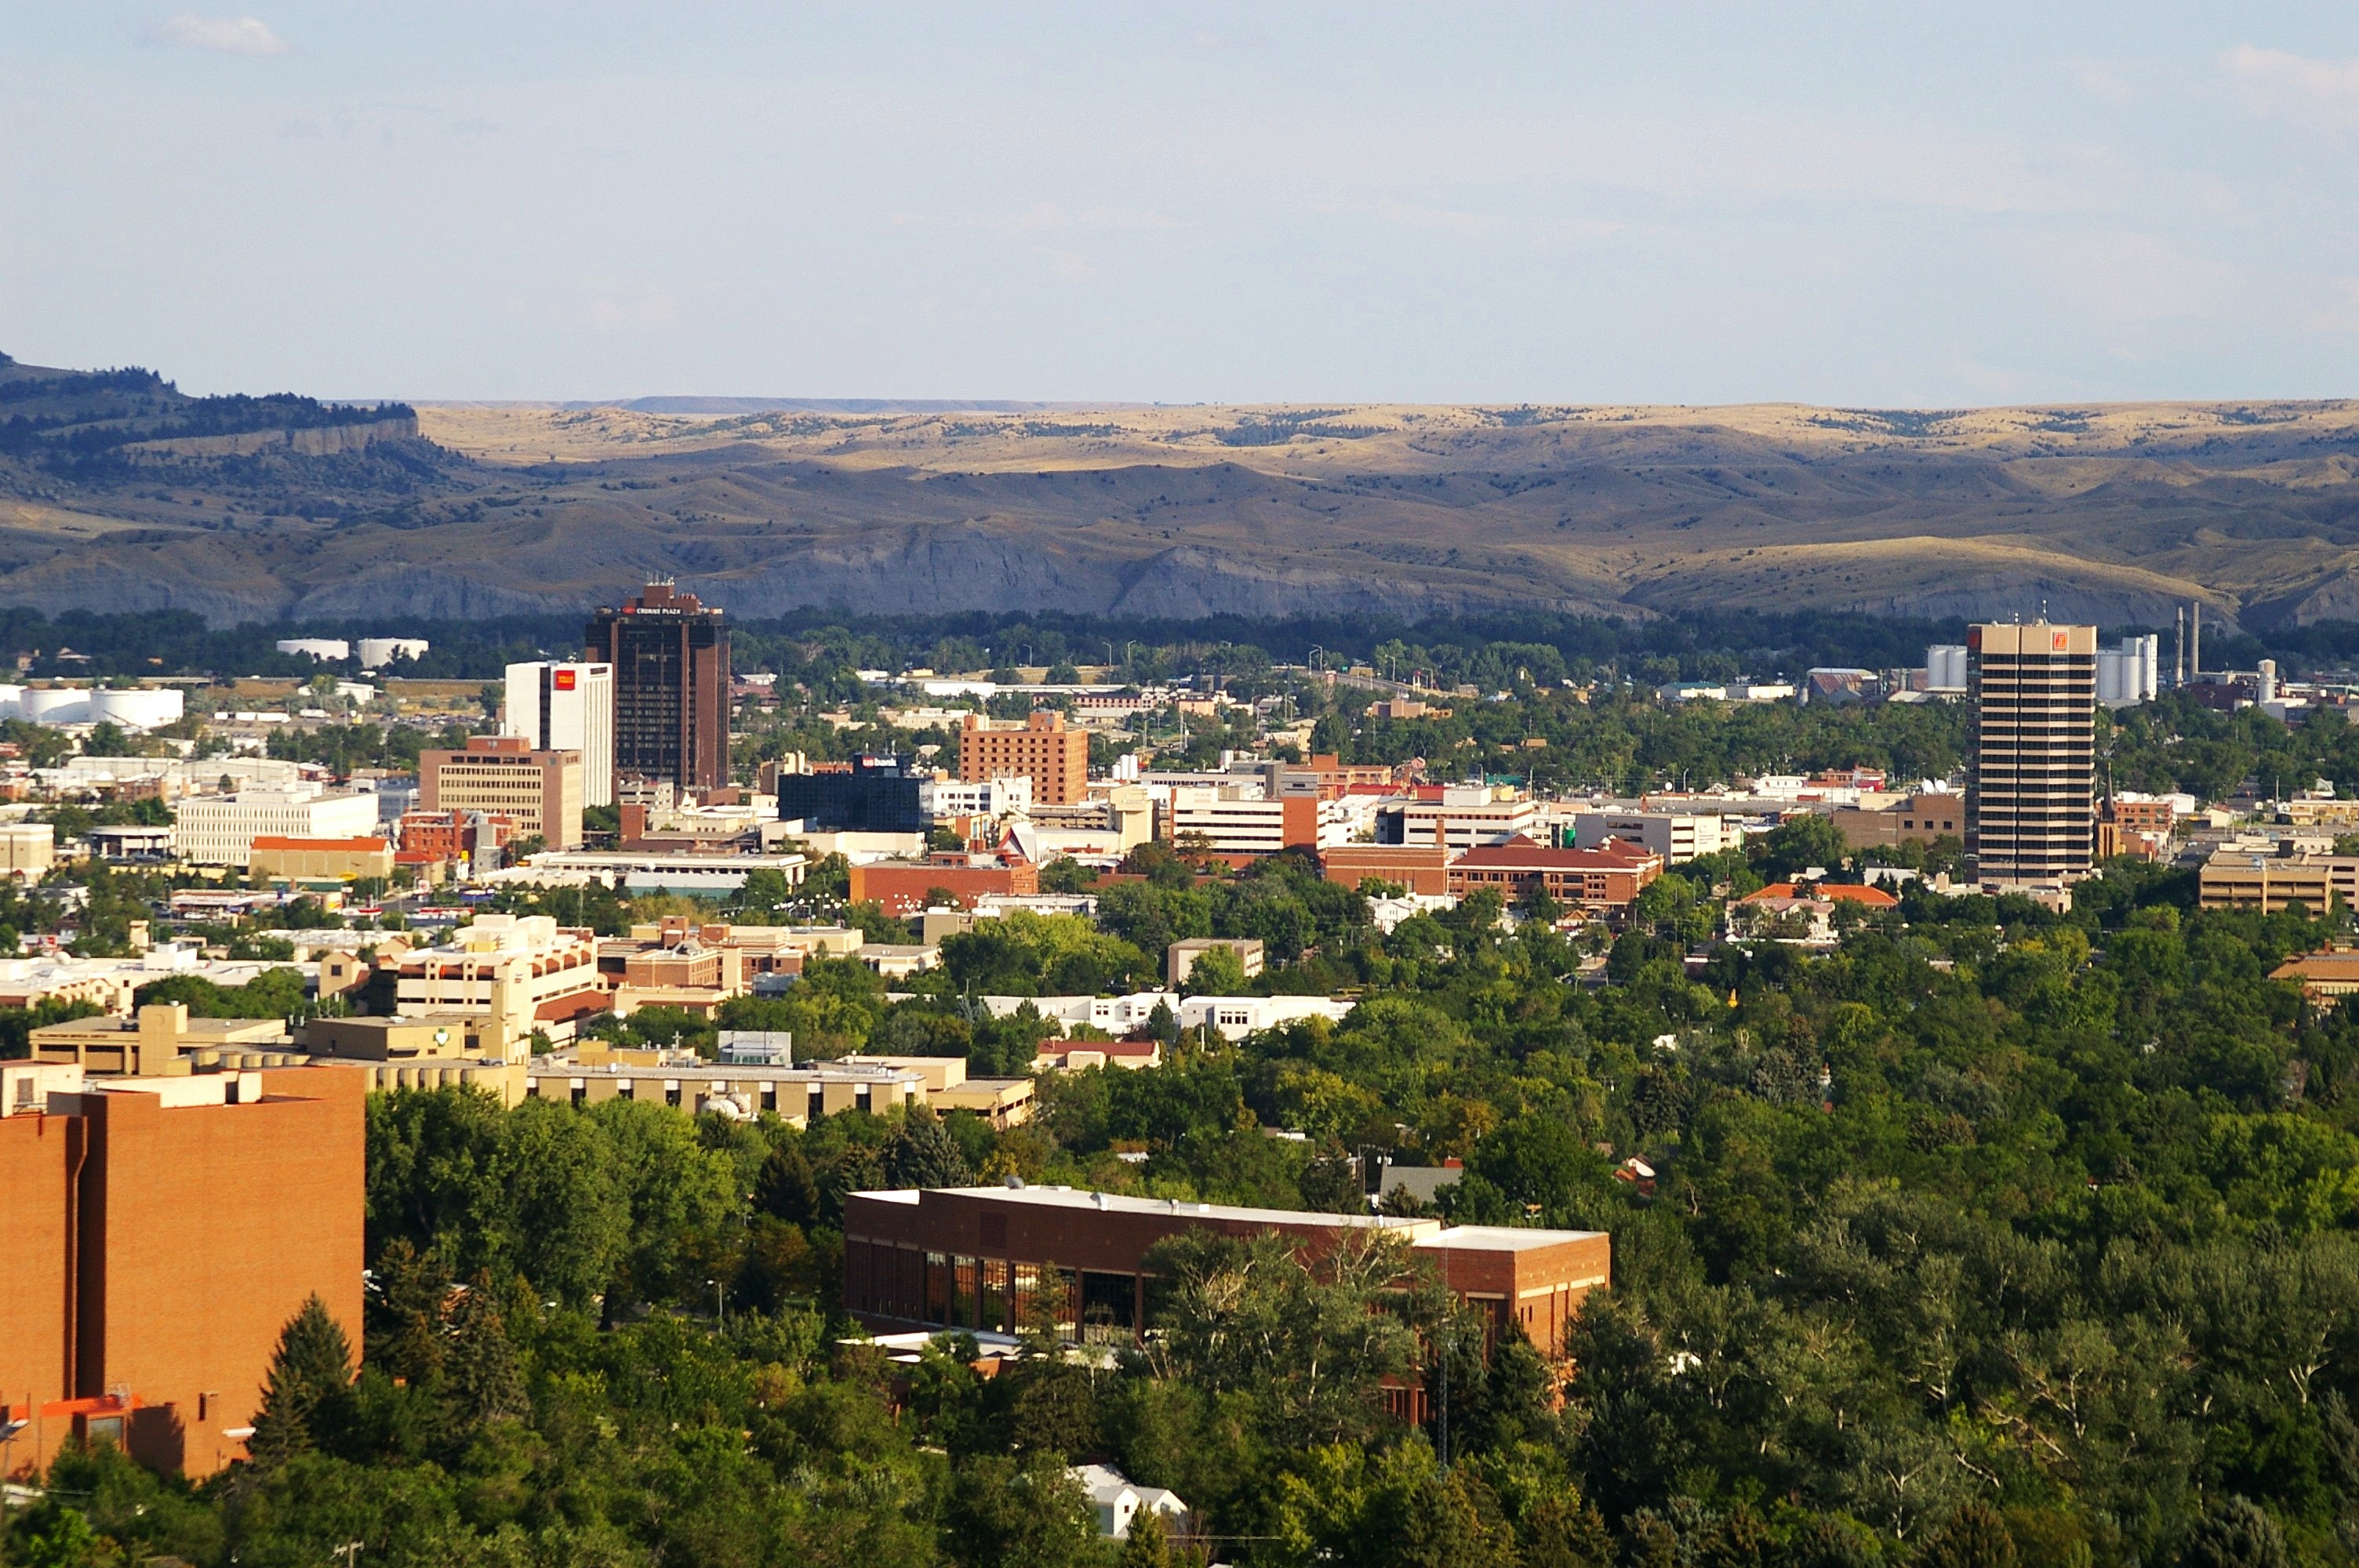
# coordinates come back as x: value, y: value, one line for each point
x: 283, y: 507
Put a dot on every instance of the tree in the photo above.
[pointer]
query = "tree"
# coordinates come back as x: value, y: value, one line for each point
x: 310, y: 1378
x: 1148, y: 1544
x: 920, y: 1153
x: 1975, y: 1537
x: 1330, y: 1185
x: 1800, y: 843
x: 785, y: 1188
x: 483, y: 1379
x: 1002, y: 1514
x: 2236, y: 1535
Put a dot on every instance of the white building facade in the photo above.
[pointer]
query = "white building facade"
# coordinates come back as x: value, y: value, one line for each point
x: 567, y: 707
x: 220, y: 830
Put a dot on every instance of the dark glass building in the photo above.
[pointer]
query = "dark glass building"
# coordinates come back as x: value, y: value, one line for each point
x: 874, y: 795
x: 671, y: 687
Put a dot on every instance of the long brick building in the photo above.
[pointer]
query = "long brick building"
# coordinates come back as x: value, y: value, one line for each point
x: 977, y: 1258
x: 1607, y: 876
x: 160, y: 1232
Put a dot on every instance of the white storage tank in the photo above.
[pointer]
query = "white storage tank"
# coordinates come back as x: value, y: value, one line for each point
x: 141, y: 709
x: 56, y: 704
x: 318, y: 648
x: 378, y: 651
x: 1945, y: 666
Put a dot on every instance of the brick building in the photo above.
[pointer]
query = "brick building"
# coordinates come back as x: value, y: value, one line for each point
x: 976, y: 1258
x: 901, y: 886
x: 670, y: 659
x: 540, y: 792
x: 1607, y: 876
x: 1057, y: 760
x: 279, y: 857
x: 161, y: 1233
x: 426, y: 837
x: 1920, y: 819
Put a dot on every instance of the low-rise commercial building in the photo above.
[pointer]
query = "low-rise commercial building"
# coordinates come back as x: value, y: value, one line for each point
x: 1079, y: 1055
x: 280, y: 858
x: 1002, y: 1102
x: 2230, y: 879
x: 1468, y: 816
x: 991, y: 1259
x: 904, y: 887
x: 423, y: 1050
x: 1179, y: 958
x: 1678, y: 837
x: 2324, y: 978
x: 1422, y: 869
x: 163, y: 1041
x: 590, y: 1074
x: 540, y: 792
x: 1920, y: 819
x: 220, y: 830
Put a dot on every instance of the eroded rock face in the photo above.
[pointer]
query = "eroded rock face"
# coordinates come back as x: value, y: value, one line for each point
x: 2114, y: 515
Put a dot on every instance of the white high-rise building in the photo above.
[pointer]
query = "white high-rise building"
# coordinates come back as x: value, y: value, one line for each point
x: 567, y: 707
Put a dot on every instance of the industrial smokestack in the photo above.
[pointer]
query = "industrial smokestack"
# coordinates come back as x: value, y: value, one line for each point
x: 2178, y: 646
x: 2195, y: 648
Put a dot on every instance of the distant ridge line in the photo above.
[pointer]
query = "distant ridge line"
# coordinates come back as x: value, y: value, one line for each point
x: 835, y: 406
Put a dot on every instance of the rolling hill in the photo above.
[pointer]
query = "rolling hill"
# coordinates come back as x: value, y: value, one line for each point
x: 116, y: 492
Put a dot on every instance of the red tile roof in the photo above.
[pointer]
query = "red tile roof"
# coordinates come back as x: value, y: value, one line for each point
x: 1520, y: 852
x: 1849, y: 893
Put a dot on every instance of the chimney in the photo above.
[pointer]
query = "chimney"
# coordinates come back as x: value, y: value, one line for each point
x: 633, y: 824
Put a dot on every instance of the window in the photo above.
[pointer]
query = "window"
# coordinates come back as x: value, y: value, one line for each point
x: 937, y: 1288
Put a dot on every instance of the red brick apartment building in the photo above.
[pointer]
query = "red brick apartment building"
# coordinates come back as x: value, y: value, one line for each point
x: 160, y: 1232
x: 1607, y: 876
x: 1057, y: 760
x: 973, y: 1258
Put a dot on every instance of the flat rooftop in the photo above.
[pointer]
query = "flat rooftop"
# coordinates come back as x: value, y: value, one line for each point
x: 1420, y: 1232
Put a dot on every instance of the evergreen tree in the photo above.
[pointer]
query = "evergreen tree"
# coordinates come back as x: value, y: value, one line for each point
x: 2236, y: 1535
x: 785, y: 1188
x: 406, y: 1336
x: 484, y: 1380
x: 310, y: 1380
x: 922, y: 1154
x: 1148, y: 1544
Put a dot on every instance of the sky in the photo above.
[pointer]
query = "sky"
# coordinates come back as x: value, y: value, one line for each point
x: 1864, y: 205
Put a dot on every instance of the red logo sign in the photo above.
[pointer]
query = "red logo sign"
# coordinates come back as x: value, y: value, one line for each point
x: 562, y: 680
x: 2056, y: 641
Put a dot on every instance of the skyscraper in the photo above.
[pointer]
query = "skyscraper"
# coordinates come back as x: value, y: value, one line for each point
x: 567, y: 707
x: 2031, y: 804
x: 671, y: 658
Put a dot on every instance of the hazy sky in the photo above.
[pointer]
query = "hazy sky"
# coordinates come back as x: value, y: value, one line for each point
x: 1871, y: 204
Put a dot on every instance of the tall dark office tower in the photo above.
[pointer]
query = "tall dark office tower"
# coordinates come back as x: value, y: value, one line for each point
x: 2031, y: 805
x: 671, y: 687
